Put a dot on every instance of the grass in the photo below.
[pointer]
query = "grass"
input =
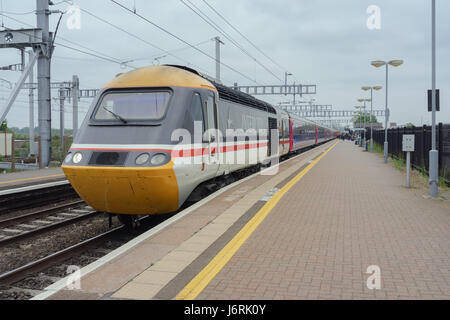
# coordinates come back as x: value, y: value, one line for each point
x: 400, y: 164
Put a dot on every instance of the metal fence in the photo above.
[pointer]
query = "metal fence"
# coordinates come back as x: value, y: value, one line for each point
x: 420, y: 157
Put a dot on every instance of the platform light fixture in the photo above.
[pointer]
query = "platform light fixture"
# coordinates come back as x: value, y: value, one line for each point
x: 364, y: 115
x: 379, y: 64
x: 377, y: 88
x: 359, y: 118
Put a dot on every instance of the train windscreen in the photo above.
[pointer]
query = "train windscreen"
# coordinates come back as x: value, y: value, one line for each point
x: 132, y: 106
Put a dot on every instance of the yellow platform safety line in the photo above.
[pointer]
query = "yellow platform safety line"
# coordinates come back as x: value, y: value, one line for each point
x: 28, y: 179
x: 199, y: 282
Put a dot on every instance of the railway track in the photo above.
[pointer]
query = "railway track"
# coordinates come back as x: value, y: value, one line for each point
x: 35, y: 196
x: 32, y: 224
x: 22, y: 272
x: 32, y: 278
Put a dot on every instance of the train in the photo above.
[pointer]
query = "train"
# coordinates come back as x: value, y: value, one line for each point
x: 159, y: 136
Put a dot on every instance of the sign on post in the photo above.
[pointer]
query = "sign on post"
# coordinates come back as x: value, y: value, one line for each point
x: 408, y: 143
x: 408, y: 147
x: 430, y: 107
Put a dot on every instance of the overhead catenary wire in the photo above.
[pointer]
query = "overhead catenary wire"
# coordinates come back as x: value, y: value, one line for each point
x: 209, y: 21
x: 245, y: 37
x: 97, y: 54
x: 89, y: 51
x: 18, y: 13
x: 181, y: 39
x: 141, y: 39
x: 105, y: 57
x: 155, y: 56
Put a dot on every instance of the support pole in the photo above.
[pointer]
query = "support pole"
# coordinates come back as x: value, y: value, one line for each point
x: 13, y: 154
x: 434, y: 153
x: 371, y: 119
x: 43, y: 78
x: 61, y: 118
x: 408, y: 169
x: 31, y: 111
x: 15, y: 92
x: 22, y: 60
x: 364, y: 141
x: 39, y: 155
x: 218, y: 43
x: 75, y: 96
x: 285, y: 83
x: 386, y: 146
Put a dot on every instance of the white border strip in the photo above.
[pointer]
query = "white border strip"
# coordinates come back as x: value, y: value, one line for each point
x: 34, y: 187
x: 161, y: 146
x: 61, y: 284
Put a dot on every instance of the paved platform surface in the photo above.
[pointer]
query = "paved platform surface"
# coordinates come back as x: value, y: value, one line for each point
x: 349, y: 211
x: 30, y: 177
x: 168, y: 256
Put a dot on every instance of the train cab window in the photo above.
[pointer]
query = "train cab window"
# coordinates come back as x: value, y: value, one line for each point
x: 196, y: 109
x: 132, y: 106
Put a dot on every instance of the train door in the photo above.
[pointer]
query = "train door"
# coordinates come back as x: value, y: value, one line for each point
x: 273, y: 139
x: 291, y: 135
x: 316, y: 132
x: 286, y: 136
x: 212, y: 136
x: 281, y: 134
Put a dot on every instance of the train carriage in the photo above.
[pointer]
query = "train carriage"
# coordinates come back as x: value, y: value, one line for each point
x: 154, y: 135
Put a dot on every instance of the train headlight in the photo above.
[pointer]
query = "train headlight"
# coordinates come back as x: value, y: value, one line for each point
x: 158, y: 159
x: 68, y: 158
x: 77, y: 157
x: 142, y: 159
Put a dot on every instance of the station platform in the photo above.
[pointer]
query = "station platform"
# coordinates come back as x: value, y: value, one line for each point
x: 334, y: 223
x: 31, y: 177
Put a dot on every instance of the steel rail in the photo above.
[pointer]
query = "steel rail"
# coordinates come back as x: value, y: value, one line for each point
x: 38, y: 214
x: 22, y: 272
x: 50, y: 227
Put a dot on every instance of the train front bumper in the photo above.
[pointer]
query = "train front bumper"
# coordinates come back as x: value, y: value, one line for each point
x: 126, y: 190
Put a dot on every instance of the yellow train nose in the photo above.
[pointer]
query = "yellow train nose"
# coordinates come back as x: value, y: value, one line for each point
x: 126, y: 190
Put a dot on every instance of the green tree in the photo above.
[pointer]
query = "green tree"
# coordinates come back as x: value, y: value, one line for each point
x: 4, y: 125
x: 409, y: 125
x: 359, y: 118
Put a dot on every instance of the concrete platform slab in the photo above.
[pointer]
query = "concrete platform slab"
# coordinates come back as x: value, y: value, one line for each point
x: 31, y: 177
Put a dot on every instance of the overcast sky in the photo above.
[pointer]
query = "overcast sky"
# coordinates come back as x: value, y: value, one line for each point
x: 323, y: 42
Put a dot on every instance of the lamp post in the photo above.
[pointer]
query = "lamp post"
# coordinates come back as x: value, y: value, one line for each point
x: 359, y: 120
x: 286, y: 74
x: 434, y: 153
x: 378, y: 64
x: 364, y: 117
x: 371, y: 111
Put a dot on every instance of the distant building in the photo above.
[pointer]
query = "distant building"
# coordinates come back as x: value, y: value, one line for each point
x: 375, y: 126
x: 19, y: 144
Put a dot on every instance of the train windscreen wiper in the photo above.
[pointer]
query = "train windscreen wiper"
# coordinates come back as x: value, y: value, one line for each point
x: 115, y: 115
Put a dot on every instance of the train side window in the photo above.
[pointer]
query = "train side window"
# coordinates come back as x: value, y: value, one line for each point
x: 211, y: 113
x: 196, y: 108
